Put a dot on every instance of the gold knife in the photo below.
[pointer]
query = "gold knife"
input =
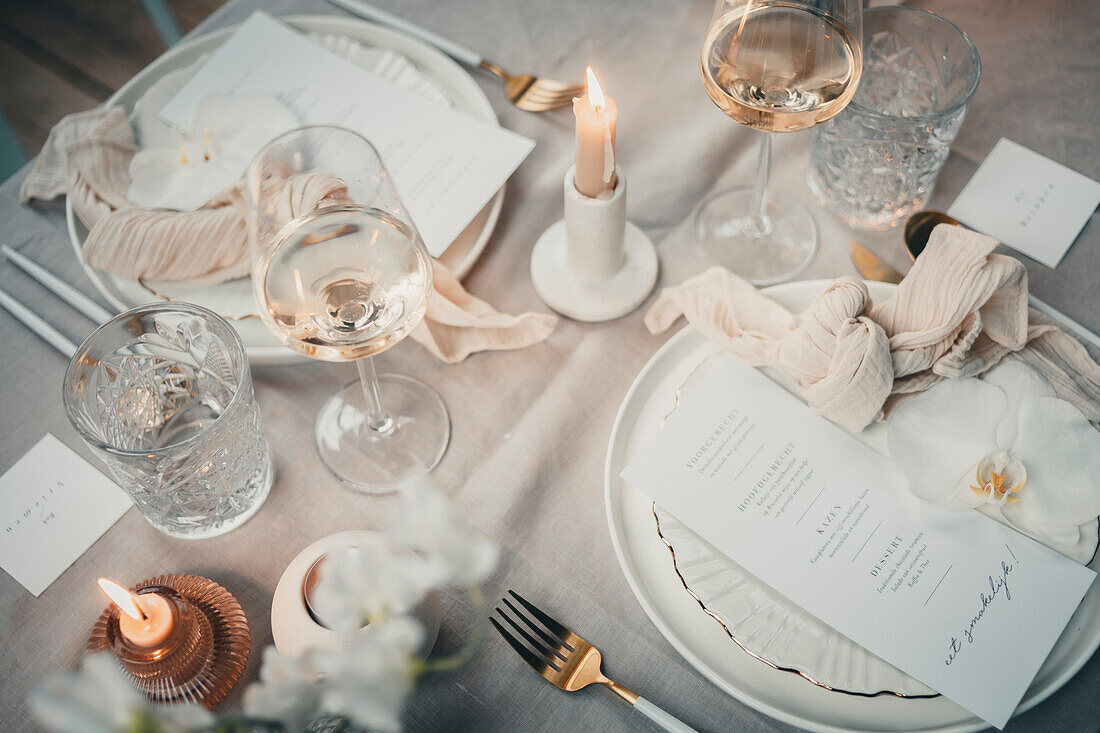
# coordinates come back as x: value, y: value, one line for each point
x: 871, y: 267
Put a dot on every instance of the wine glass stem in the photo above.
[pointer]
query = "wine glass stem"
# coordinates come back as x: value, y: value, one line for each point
x: 378, y: 421
x: 757, y: 223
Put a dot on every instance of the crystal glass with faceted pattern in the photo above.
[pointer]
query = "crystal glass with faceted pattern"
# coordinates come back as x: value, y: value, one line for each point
x: 163, y: 395
x: 877, y: 162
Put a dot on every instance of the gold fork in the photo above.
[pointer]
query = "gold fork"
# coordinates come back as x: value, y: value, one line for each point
x: 534, y: 93
x: 530, y: 93
x: 566, y: 660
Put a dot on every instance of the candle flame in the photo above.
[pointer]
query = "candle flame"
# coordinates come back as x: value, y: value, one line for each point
x: 123, y: 598
x: 595, y: 93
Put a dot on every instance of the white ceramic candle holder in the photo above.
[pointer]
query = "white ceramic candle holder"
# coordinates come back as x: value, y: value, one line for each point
x: 294, y: 630
x: 594, y: 265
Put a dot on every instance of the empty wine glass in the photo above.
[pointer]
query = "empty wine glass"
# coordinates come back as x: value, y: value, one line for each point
x: 340, y: 274
x: 775, y: 66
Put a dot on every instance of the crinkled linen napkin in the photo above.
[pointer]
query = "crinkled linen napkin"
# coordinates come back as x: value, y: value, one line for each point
x: 959, y: 311
x: 87, y: 157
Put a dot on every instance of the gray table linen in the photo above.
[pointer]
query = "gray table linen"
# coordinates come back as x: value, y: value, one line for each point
x: 530, y: 427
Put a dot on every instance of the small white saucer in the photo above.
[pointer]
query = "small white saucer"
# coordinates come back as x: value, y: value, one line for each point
x: 593, y: 300
x: 294, y: 630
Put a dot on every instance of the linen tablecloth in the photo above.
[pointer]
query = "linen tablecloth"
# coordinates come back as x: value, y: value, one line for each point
x: 530, y: 428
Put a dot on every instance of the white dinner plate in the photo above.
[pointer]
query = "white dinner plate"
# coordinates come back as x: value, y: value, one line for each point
x: 703, y: 641
x: 432, y: 66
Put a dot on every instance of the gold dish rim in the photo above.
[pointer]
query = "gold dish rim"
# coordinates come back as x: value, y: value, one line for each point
x: 773, y: 665
x: 716, y: 617
x: 729, y: 632
x: 753, y: 654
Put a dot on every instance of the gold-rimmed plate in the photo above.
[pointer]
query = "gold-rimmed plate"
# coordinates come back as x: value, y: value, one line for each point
x: 783, y: 693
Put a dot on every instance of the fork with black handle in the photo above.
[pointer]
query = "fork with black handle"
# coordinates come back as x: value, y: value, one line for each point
x: 566, y: 660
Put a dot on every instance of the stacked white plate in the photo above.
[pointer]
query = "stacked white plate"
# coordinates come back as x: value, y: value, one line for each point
x: 742, y: 635
x: 400, y: 59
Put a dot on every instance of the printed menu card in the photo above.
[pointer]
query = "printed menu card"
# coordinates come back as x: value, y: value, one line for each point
x: 446, y: 165
x: 958, y: 601
x: 53, y: 506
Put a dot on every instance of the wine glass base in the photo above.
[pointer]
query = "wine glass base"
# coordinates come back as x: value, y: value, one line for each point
x: 377, y: 462
x: 786, y: 248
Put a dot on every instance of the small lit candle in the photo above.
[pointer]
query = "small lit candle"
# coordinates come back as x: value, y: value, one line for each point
x: 595, y: 155
x: 146, y: 620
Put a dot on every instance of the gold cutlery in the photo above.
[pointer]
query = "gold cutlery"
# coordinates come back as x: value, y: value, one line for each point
x: 529, y: 93
x: 532, y: 93
x: 918, y: 228
x: 566, y: 660
x: 870, y: 266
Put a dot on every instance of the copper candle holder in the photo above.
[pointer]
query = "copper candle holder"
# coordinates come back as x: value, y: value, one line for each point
x: 203, y: 657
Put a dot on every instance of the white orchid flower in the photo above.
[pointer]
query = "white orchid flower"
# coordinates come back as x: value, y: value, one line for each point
x: 369, y: 681
x: 287, y: 692
x: 370, y: 583
x: 100, y: 699
x: 1007, y: 445
x: 384, y: 577
x: 225, y: 134
x: 426, y: 522
x: 366, y: 593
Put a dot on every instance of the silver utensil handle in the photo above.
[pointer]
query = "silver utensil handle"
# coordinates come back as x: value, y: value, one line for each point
x: 58, y: 287
x: 660, y: 717
x: 452, y: 49
x: 31, y: 320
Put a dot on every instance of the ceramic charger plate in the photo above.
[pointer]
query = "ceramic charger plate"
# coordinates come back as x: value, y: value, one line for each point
x: 401, y: 59
x: 732, y: 649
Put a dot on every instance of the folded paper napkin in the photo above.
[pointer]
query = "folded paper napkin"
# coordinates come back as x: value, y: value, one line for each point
x: 959, y: 311
x: 87, y: 157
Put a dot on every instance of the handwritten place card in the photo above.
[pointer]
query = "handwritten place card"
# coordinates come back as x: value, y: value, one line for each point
x: 446, y: 165
x: 956, y: 600
x: 1027, y: 201
x: 53, y: 506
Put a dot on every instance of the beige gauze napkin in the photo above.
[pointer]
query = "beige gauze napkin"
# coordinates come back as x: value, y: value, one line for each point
x: 958, y: 312
x: 87, y: 157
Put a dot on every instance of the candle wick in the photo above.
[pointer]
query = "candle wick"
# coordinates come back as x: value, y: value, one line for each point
x: 140, y: 610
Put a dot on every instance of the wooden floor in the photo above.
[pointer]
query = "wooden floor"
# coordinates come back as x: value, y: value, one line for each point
x: 62, y: 56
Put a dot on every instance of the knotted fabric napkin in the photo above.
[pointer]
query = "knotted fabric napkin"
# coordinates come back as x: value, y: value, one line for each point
x: 87, y: 157
x: 958, y: 312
